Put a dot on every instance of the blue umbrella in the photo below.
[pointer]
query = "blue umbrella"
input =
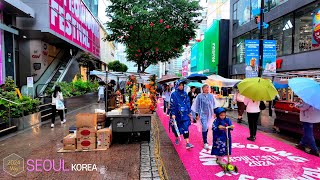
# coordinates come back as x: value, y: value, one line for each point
x: 280, y: 86
x: 307, y: 89
x: 197, y: 77
x: 195, y: 84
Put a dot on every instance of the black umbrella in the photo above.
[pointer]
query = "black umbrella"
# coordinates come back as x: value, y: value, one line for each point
x: 197, y: 77
x: 168, y: 78
x: 236, y: 85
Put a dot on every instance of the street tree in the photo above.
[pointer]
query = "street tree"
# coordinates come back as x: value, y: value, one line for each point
x: 152, y: 30
x: 117, y: 66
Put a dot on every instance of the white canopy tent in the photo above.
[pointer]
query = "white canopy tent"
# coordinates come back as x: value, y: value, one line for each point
x: 219, y: 81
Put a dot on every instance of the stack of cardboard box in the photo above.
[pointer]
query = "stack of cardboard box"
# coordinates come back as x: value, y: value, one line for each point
x: 87, y: 136
x: 86, y: 131
x: 69, y: 142
x: 104, y: 138
x: 101, y: 120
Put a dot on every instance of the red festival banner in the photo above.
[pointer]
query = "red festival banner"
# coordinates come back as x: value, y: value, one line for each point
x: 72, y: 20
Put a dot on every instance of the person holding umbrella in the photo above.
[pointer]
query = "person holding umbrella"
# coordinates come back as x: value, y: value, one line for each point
x: 166, y: 99
x: 181, y: 112
x: 308, y: 91
x: 253, y: 111
x: 308, y: 116
x: 256, y: 90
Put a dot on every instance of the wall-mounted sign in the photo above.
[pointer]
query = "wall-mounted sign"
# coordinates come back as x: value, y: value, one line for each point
x: 29, y: 82
x: 72, y: 20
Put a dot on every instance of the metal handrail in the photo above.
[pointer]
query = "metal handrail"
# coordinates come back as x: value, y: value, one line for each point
x: 11, y: 101
x: 7, y: 100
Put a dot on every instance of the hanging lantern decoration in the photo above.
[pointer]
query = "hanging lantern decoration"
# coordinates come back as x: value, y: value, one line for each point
x: 161, y: 21
x: 138, y: 50
x: 198, y: 40
x: 151, y: 24
x: 167, y: 26
x: 156, y: 42
x: 126, y: 37
x: 131, y: 27
x: 185, y: 25
x: 157, y: 49
x: 137, y: 55
x: 190, y: 39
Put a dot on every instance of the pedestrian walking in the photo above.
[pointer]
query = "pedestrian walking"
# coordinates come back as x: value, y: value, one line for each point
x: 253, y: 112
x: 219, y: 145
x: 308, y: 116
x: 181, y: 112
x: 166, y: 99
x: 239, y: 99
x: 192, y: 96
x: 204, y: 106
x: 101, y: 90
x: 57, y: 105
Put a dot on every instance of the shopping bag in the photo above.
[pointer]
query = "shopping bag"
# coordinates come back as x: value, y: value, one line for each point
x: 59, y: 105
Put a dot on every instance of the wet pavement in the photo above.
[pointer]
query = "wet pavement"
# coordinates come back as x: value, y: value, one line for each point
x: 121, y: 161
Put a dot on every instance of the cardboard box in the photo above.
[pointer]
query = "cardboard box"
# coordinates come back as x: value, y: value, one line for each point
x: 104, y: 138
x: 86, y: 120
x: 86, y: 143
x: 72, y: 147
x: 101, y: 125
x: 86, y: 132
x: 70, y: 139
x: 101, y: 117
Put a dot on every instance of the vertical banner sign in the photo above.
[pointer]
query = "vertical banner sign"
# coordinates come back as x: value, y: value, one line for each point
x: 269, y: 57
x: 252, y: 58
x: 72, y: 20
x: 211, y: 48
x: 316, y: 30
x: 194, y: 57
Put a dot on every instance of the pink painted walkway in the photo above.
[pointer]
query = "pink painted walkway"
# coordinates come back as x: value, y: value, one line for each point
x: 264, y: 159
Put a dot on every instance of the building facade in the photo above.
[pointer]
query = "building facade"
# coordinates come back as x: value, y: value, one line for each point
x: 9, y: 36
x: 294, y: 24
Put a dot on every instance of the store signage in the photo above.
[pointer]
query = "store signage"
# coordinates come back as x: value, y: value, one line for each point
x: 211, y: 48
x: 35, y: 56
x: 72, y: 20
x: 279, y: 63
x: 252, y: 58
x: 316, y: 30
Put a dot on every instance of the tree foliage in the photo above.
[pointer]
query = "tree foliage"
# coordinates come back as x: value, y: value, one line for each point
x: 152, y: 30
x: 117, y: 66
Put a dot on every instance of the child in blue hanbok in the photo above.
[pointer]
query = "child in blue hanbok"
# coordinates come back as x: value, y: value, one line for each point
x: 219, y: 146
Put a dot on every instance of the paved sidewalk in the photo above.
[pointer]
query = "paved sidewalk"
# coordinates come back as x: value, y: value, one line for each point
x: 121, y: 161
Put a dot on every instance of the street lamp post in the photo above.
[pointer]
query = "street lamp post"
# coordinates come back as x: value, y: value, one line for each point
x: 260, y: 70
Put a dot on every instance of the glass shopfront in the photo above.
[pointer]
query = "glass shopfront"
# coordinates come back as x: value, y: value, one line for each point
x: 296, y: 32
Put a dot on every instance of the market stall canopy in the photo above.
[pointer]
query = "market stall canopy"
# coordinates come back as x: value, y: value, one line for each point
x: 219, y: 81
x: 141, y: 77
x: 168, y: 78
x: 307, y: 89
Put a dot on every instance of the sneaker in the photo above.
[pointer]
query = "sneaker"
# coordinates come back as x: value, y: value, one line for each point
x: 301, y: 147
x: 188, y: 146
x: 316, y: 153
x: 52, y: 125
x: 177, y: 142
x: 206, y: 146
x: 251, y: 138
x: 64, y: 121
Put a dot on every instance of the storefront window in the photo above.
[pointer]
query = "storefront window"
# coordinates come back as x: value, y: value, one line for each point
x: 287, y: 29
x: 304, y: 29
x: 240, y: 47
x: 270, y: 4
x: 276, y: 33
x: 244, y: 11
